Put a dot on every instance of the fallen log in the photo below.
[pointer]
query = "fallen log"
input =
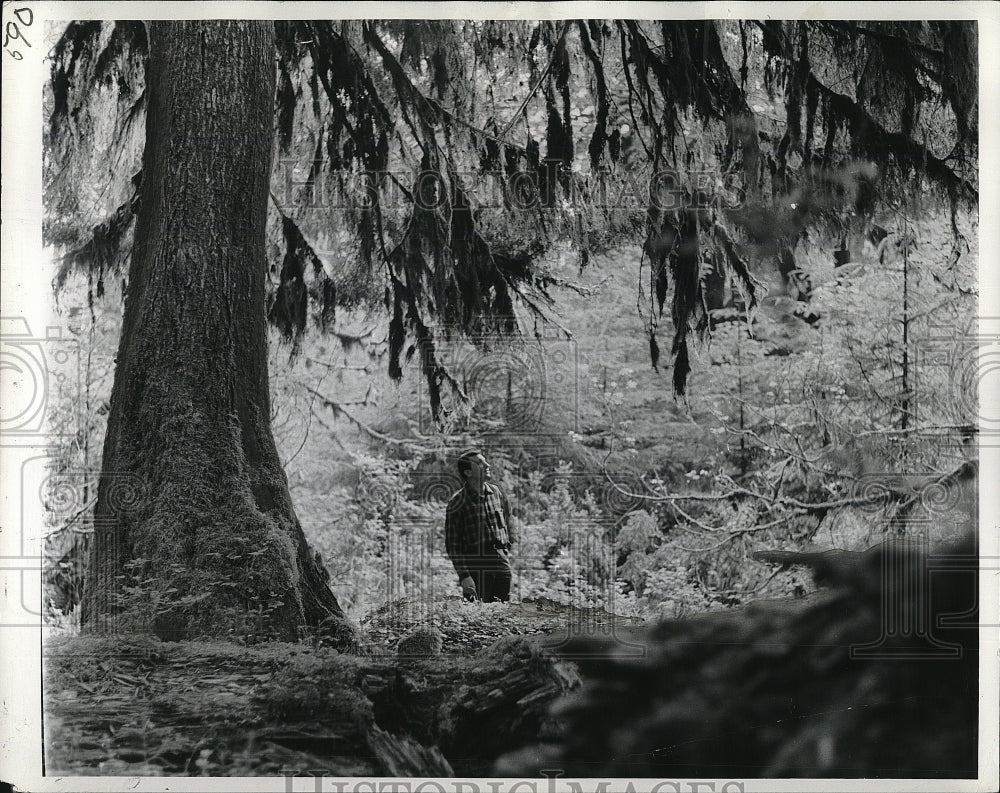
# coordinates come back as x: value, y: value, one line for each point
x: 875, y: 676
x: 138, y: 706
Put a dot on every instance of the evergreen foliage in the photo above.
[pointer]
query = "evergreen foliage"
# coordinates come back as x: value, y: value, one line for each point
x: 398, y: 117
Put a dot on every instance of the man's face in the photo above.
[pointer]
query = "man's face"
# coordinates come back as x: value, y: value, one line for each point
x: 479, y: 472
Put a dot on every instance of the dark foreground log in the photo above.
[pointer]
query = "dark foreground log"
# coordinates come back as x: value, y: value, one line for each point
x: 474, y: 709
x: 138, y: 706
x: 875, y: 676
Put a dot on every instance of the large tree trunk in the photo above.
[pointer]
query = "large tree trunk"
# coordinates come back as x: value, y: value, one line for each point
x: 195, y: 530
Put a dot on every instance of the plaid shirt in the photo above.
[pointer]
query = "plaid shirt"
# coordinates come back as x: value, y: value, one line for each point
x: 475, y: 527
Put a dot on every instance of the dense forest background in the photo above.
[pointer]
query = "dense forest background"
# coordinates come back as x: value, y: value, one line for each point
x: 810, y: 419
x: 596, y: 453
x: 700, y: 291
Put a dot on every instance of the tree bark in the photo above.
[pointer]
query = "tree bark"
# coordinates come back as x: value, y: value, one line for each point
x: 194, y: 526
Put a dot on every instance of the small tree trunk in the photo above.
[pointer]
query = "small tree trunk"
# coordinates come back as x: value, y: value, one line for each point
x: 194, y: 526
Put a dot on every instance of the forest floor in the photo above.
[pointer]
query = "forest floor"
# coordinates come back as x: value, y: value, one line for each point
x: 780, y: 687
x: 408, y: 702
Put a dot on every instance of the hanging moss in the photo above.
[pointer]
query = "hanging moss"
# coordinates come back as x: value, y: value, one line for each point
x: 389, y: 95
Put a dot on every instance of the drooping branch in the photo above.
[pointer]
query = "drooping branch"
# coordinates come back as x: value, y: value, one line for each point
x: 107, y: 247
x: 390, y: 97
x: 873, y: 139
x: 537, y: 84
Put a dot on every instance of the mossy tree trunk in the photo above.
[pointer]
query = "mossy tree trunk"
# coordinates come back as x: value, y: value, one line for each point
x: 195, y: 530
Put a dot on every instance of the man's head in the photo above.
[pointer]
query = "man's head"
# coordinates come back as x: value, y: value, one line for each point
x: 473, y: 469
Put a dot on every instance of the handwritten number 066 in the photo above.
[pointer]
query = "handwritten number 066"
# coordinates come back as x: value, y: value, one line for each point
x: 12, y: 32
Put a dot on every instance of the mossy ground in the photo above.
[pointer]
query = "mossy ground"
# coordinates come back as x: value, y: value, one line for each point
x: 138, y: 706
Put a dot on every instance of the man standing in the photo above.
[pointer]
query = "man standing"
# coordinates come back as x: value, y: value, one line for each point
x: 478, y: 533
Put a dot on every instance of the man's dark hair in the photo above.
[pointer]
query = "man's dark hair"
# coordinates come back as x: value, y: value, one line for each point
x: 465, y: 460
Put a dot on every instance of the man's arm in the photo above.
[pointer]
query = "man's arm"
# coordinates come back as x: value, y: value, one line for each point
x: 506, y: 517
